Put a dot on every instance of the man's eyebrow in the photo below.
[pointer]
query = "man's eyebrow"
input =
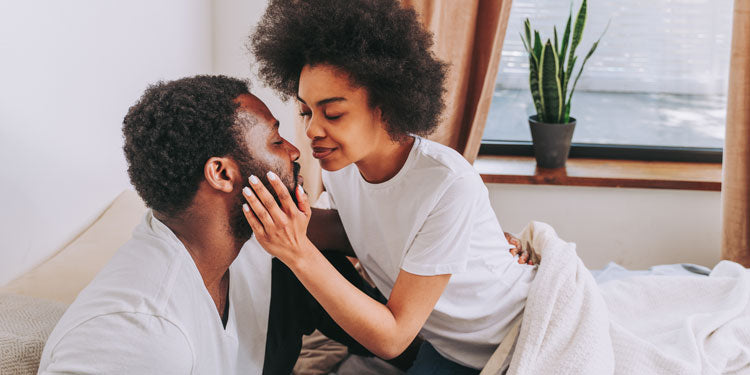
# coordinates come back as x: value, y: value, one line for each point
x: 325, y: 101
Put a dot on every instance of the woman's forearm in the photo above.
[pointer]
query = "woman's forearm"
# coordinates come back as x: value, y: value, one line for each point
x: 369, y: 322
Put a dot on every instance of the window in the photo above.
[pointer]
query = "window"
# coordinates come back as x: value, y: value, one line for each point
x: 654, y: 89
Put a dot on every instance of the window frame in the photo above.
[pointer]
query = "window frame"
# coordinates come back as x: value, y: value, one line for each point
x: 610, y: 151
x: 546, y: 16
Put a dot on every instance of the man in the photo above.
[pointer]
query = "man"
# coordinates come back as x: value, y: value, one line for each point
x: 192, y: 292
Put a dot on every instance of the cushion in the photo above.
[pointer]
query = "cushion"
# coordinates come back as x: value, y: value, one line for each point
x: 319, y: 355
x: 25, y: 325
x: 64, y: 275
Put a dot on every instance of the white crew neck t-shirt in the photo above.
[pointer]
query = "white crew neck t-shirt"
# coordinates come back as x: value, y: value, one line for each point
x: 434, y: 217
x: 149, y: 312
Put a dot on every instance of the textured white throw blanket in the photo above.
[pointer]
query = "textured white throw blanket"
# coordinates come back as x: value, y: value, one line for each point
x: 639, y: 325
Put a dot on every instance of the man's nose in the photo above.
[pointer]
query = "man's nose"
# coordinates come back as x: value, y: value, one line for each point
x: 293, y: 151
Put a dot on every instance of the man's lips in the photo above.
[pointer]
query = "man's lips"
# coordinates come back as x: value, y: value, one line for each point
x: 322, y: 152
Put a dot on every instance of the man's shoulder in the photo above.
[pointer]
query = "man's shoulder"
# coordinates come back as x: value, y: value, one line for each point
x: 118, y: 342
x: 142, y: 275
x: 129, y: 309
x: 143, y: 278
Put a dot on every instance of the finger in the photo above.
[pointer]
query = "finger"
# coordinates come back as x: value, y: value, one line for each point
x: 523, y: 258
x: 516, y: 242
x: 258, y: 209
x: 267, y: 200
x: 514, y: 250
x: 253, y: 221
x: 304, y: 201
x: 287, y: 204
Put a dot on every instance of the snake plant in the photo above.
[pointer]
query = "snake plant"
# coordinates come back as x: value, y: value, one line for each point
x: 550, y: 72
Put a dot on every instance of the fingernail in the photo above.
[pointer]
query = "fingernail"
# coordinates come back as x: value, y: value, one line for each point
x: 247, y: 191
x: 301, y: 190
x: 254, y: 180
x: 271, y: 176
x: 245, y: 207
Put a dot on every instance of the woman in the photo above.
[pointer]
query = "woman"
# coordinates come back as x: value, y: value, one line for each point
x: 417, y: 214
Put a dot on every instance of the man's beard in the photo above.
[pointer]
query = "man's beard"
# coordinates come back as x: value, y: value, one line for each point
x: 239, y: 226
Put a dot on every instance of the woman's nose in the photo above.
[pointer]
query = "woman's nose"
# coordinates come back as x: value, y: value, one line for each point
x: 313, y: 129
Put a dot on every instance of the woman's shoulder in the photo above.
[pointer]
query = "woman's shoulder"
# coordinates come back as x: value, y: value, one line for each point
x: 442, y: 160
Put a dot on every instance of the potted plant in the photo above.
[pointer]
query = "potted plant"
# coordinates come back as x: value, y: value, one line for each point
x: 550, y: 68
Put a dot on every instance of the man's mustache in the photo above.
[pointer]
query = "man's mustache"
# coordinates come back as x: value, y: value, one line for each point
x: 296, y: 167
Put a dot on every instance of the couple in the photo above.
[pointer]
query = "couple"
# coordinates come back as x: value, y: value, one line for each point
x: 225, y: 273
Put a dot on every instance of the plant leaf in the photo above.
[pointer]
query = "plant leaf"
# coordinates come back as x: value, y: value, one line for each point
x: 527, y: 29
x: 557, y: 49
x: 549, y: 81
x: 533, y: 68
x: 564, y: 77
x: 525, y: 45
x: 579, y: 26
x: 566, y: 38
x: 585, y: 59
x: 537, y: 45
x: 534, y: 85
x: 577, y: 35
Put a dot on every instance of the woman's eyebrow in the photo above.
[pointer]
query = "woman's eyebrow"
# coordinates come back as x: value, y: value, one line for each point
x: 325, y: 101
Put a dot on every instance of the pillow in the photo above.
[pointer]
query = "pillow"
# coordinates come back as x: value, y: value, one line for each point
x: 25, y: 325
x: 64, y: 275
x: 319, y: 355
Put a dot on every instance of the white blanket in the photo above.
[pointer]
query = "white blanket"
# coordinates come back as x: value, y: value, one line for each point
x: 639, y: 325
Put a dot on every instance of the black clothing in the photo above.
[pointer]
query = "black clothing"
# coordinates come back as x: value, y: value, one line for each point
x: 294, y: 312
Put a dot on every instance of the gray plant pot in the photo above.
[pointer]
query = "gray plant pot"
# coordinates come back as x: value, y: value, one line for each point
x: 551, y: 142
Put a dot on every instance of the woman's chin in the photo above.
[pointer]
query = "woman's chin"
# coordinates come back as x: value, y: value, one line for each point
x: 332, y: 165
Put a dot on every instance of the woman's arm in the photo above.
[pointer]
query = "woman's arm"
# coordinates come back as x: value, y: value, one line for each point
x: 386, y: 330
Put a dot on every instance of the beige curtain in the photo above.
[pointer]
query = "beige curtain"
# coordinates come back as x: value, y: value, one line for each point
x: 469, y: 36
x: 735, y: 190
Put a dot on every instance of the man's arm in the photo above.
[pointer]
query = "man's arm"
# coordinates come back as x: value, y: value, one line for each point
x: 327, y: 232
x: 121, y: 343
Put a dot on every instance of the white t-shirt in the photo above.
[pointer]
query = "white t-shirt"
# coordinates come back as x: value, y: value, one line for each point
x: 434, y: 217
x: 148, y: 312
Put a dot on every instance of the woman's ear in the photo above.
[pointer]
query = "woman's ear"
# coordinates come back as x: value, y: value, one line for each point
x: 221, y: 173
x: 378, y: 114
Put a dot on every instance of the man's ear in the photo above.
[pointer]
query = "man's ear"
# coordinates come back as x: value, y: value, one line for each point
x: 221, y: 173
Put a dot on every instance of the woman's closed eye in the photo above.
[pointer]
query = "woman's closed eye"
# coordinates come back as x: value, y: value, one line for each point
x: 327, y: 116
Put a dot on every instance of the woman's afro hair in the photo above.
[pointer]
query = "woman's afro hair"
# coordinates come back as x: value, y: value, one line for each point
x: 172, y: 131
x: 380, y: 45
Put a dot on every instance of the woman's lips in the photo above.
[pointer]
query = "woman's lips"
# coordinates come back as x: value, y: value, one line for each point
x: 322, y: 152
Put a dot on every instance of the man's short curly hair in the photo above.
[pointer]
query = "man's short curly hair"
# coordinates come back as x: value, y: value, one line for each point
x: 172, y: 131
x: 380, y: 44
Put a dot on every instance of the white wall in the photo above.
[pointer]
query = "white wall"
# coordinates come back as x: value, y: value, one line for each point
x: 636, y: 228
x: 69, y: 70
x: 233, y: 22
